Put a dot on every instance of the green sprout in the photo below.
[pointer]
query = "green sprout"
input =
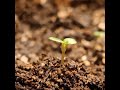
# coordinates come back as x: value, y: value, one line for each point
x: 64, y: 44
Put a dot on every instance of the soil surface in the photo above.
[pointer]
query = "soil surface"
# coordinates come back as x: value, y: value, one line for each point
x: 38, y: 60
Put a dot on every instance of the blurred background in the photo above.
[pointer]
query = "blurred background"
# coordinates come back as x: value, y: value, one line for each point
x: 36, y: 20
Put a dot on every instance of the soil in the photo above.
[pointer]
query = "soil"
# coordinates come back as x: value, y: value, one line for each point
x: 38, y: 60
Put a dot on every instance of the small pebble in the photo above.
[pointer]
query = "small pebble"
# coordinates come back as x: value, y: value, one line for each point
x: 103, y: 60
x: 41, y: 72
x: 18, y: 55
x: 64, y: 13
x: 59, y: 80
x: 86, y: 43
x: 24, y: 59
x: 42, y: 64
x: 98, y: 47
x: 34, y: 77
x: 24, y: 39
x: 29, y: 66
x: 87, y: 63
x: 84, y: 58
x: 101, y: 26
x: 48, y: 82
x: 42, y: 2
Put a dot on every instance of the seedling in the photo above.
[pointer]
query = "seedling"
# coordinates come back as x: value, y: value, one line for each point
x: 64, y: 44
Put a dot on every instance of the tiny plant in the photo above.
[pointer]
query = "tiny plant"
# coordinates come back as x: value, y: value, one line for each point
x: 64, y: 44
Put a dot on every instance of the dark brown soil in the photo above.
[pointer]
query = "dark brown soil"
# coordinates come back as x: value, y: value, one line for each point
x: 37, y: 59
x: 49, y: 75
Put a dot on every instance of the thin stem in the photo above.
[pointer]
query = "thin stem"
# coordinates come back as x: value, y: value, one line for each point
x: 63, y: 48
x: 62, y: 59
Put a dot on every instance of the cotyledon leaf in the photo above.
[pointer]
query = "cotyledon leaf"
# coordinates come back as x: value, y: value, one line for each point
x: 70, y: 41
x: 55, y: 39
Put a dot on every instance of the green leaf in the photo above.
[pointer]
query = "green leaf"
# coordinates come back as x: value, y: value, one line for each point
x: 70, y: 41
x: 55, y: 39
